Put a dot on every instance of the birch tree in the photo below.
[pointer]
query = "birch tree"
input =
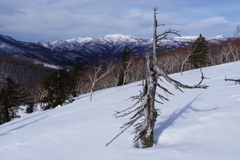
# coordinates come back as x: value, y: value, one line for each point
x: 98, y: 73
x: 126, y: 62
x: 145, y: 102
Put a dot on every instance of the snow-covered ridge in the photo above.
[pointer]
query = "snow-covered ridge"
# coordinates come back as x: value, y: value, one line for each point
x: 193, y: 38
x: 80, y: 40
x: 109, y: 37
x: 120, y: 38
x: 64, y: 52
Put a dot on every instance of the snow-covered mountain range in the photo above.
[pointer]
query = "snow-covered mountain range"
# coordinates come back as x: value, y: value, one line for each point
x: 64, y: 52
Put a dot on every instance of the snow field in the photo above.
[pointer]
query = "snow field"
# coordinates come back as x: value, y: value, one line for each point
x: 195, y: 125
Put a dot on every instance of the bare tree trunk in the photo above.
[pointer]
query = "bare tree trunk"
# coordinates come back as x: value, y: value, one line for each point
x: 144, y: 130
x: 234, y: 80
x: 97, y: 73
x: 149, y: 113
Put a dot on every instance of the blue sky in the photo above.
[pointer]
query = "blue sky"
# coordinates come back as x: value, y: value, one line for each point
x: 49, y: 20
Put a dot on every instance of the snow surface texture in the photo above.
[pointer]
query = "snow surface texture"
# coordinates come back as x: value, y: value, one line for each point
x: 196, y: 125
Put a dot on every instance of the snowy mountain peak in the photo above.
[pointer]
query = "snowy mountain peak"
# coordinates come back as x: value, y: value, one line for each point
x: 187, y: 37
x: 118, y: 36
x: 63, y: 52
x: 80, y: 40
x: 220, y: 37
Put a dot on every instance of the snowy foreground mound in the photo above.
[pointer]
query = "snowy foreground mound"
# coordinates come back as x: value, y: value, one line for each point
x: 196, y: 125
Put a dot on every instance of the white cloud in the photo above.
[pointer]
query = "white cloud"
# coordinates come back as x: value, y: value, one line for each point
x: 63, y: 19
x: 208, y: 27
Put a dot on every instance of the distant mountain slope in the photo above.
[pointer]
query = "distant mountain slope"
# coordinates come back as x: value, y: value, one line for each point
x: 21, y: 71
x: 64, y: 52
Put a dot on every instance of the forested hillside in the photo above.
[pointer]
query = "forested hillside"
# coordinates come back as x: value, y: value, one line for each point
x: 36, y: 78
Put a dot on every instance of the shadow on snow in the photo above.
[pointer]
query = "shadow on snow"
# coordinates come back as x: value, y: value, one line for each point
x: 22, y: 126
x: 160, y: 127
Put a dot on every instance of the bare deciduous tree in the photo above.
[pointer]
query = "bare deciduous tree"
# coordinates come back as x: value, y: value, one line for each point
x: 198, y: 54
x: 146, y: 109
x: 237, y: 32
x: 39, y: 93
x: 97, y: 73
x: 126, y: 70
x: 138, y: 68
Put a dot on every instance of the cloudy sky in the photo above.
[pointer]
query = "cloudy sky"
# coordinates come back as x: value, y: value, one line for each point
x: 49, y: 20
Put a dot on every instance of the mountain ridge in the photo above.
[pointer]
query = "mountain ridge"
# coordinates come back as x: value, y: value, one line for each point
x: 64, y: 52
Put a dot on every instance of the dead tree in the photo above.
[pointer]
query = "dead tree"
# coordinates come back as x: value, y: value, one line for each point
x: 234, y: 80
x: 145, y: 104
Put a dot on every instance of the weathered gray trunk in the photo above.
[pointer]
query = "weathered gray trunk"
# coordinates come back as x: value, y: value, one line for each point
x: 150, y: 113
x: 146, y: 136
x: 144, y: 130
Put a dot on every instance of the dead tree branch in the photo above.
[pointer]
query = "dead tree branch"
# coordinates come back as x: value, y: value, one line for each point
x: 146, y: 110
x: 234, y: 80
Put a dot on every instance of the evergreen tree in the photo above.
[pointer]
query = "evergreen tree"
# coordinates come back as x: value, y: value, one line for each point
x: 59, y: 87
x: 199, y: 54
x: 30, y: 108
x: 11, y: 97
x: 75, y: 73
x: 125, y: 57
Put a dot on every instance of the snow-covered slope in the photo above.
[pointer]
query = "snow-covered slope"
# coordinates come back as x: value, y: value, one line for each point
x: 200, y: 124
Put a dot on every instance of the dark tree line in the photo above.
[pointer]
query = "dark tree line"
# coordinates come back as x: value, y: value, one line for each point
x: 11, y: 97
x: 60, y: 86
x: 21, y: 71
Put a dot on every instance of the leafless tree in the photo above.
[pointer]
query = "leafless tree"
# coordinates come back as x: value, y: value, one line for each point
x: 115, y: 73
x: 146, y: 99
x: 237, y: 32
x: 189, y: 53
x: 138, y: 69
x: 39, y: 93
x: 198, y: 54
x: 126, y: 72
x: 97, y: 73
x: 234, y: 50
x: 168, y: 62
